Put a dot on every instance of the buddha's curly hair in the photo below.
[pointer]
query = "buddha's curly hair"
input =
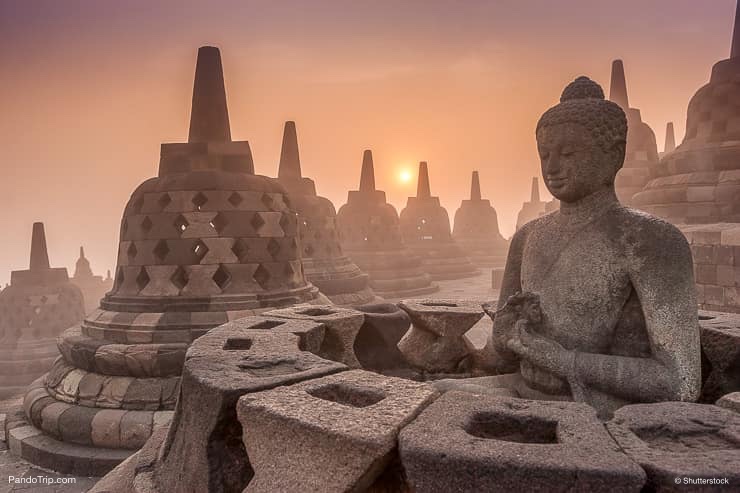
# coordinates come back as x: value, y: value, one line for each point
x: 583, y: 102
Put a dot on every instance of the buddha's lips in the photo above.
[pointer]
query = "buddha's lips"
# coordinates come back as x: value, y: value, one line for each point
x: 556, y: 182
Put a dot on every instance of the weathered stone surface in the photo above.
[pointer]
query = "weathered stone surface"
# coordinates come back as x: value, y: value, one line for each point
x: 332, y: 434
x: 730, y: 401
x: 341, y: 326
x: 204, y: 450
x: 436, y: 342
x: 673, y: 440
x: 466, y: 442
x: 720, y: 344
x: 376, y: 345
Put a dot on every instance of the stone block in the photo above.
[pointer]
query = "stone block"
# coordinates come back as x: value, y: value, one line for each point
x: 706, y: 273
x: 50, y: 418
x: 714, y: 295
x: 704, y: 254
x: 341, y: 328
x: 720, y: 342
x: 730, y: 401
x: 726, y: 255
x: 468, y: 442
x: 106, y: 428
x: 673, y: 440
x: 136, y: 428
x: 293, y: 434
x: 89, y: 389
x: 376, y: 345
x: 436, y: 341
x: 728, y: 275
x: 75, y: 425
x: 113, y: 392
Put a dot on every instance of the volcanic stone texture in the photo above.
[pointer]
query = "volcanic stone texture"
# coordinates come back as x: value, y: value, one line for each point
x: 436, y: 342
x: 333, y: 434
x: 720, y: 346
x: 467, y: 442
x: 425, y: 228
x: 370, y: 235
x: 674, y: 441
x: 324, y: 262
x: 476, y: 230
x: 376, y: 345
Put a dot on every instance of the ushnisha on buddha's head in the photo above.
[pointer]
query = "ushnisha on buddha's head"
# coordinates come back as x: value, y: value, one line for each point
x: 581, y: 142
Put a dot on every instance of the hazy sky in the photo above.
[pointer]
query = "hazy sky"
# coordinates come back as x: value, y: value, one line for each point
x: 90, y: 88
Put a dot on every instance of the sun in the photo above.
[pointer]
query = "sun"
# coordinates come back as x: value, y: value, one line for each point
x: 404, y: 176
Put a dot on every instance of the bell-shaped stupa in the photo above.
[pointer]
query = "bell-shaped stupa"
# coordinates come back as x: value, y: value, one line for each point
x: 476, y: 229
x: 699, y: 182
x: 425, y: 229
x: 324, y: 263
x: 37, y: 306
x: 205, y: 242
x: 93, y: 287
x: 371, y: 236
x: 534, y: 208
x: 641, y: 153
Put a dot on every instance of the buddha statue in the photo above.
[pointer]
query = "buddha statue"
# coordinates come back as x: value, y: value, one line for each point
x: 597, y: 302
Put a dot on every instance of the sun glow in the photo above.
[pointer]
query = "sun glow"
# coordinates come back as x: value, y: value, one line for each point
x: 405, y: 176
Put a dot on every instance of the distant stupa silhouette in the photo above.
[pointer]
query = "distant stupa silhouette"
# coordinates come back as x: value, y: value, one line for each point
x: 370, y: 234
x: 93, y: 287
x: 425, y: 228
x: 532, y: 209
x: 476, y: 229
x: 324, y: 263
x: 37, y: 306
x: 641, y: 154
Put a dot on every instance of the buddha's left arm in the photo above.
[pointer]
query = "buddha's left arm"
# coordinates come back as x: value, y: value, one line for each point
x: 661, y: 271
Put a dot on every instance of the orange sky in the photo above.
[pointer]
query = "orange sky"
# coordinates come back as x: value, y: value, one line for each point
x: 89, y: 89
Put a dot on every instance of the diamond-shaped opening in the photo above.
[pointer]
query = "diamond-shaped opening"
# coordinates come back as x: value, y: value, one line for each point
x: 181, y: 223
x: 164, y: 201
x: 240, y: 249
x: 44, y: 299
x: 146, y: 224
x: 267, y: 200
x: 235, y: 199
x: 262, y: 276
x: 308, y: 251
x: 119, y: 277
x: 285, y: 222
x: 200, y: 249
x: 179, y: 278
x: 257, y: 222
x: 219, y: 223
x: 142, y: 279
x: 199, y: 200
x: 222, y: 277
x: 161, y: 250
x: 132, y: 251
x: 138, y: 204
x: 273, y: 246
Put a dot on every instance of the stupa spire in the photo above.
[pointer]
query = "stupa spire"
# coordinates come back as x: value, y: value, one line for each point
x: 39, y: 253
x: 422, y: 188
x: 535, y: 191
x: 735, y: 51
x: 290, y: 160
x: 670, y: 138
x: 82, y: 252
x: 475, y: 187
x: 367, y: 178
x: 209, y: 117
x: 618, y: 87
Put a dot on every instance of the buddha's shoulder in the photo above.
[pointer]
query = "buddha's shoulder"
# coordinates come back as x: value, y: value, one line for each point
x: 638, y: 228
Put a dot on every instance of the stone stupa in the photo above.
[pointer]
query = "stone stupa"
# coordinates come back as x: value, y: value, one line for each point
x: 205, y: 242
x: 371, y: 236
x: 476, y: 229
x: 324, y: 263
x: 93, y: 287
x: 534, y: 208
x: 425, y: 229
x: 37, y: 306
x: 697, y: 185
x: 641, y: 153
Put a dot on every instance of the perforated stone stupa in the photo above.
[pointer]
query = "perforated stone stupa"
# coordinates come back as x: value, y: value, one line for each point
x: 425, y: 228
x: 37, y: 306
x: 476, y: 229
x: 324, y: 263
x: 205, y: 242
x: 371, y: 235
x: 534, y: 208
x: 93, y: 287
x: 641, y: 154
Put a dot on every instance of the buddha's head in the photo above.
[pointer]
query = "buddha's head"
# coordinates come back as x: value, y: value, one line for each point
x: 581, y: 142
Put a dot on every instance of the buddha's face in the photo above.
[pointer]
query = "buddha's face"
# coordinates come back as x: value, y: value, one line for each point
x: 573, y: 164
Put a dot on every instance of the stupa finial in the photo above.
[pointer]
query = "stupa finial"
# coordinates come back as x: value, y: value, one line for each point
x: 735, y: 51
x: 535, y: 197
x: 367, y: 178
x: 423, y: 190
x: 39, y: 253
x: 209, y: 116
x: 670, y: 138
x: 618, y: 88
x: 475, y: 187
x: 290, y: 160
